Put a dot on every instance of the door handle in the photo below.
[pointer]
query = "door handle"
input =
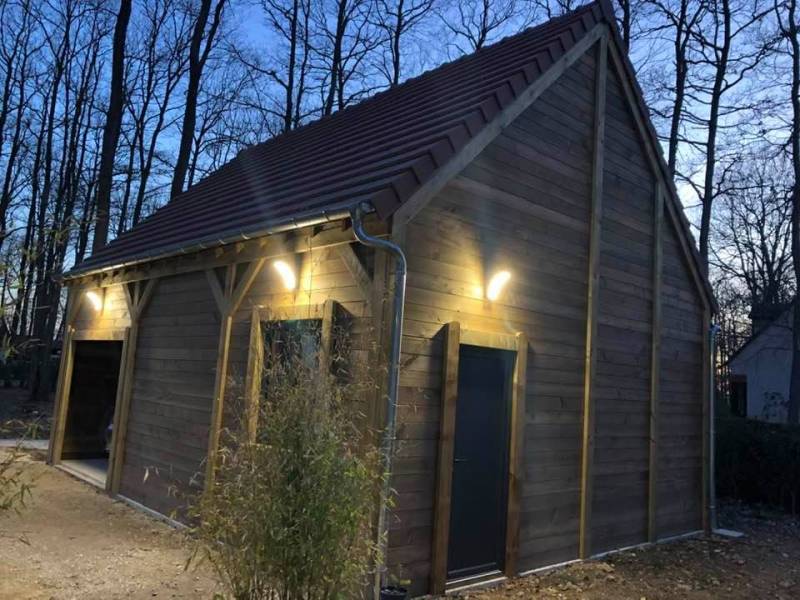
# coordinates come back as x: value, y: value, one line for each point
x: 459, y: 460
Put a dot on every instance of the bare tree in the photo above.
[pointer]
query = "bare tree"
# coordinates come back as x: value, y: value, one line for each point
x: 722, y: 68
x: 203, y: 37
x: 752, y: 231
x: 116, y: 102
x: 475, y: 23
x: 787, y: 17
x: 397, y: 19
x: 678, y: 21
x: 159, y: 63
x: 345, y: 39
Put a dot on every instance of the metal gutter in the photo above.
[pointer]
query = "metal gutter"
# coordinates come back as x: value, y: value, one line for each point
x: 390, y: 431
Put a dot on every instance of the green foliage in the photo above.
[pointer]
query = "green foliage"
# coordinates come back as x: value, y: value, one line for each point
x: 758, y: 462
x: 289, y: 515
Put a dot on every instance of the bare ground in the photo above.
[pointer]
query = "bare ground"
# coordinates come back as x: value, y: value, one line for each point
x: 763, y: 564
x: 19, y: 417
x: 73, y: 541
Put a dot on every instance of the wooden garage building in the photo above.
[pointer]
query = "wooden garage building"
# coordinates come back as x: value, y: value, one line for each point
x: 552, y: 402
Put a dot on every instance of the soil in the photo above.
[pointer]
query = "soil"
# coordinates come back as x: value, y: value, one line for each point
x: 763, y: 564
x: 73, y: 541
x: 21, y: 418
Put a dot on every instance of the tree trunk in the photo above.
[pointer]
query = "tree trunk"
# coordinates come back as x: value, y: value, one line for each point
x: 197, y: 61
x: 794, y: 42
x: 116, y: 104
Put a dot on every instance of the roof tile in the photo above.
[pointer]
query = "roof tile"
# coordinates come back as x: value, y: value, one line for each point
x: 383, y: 149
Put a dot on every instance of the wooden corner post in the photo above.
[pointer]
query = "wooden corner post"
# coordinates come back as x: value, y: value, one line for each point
x: 229, y: 295
x: 64, y: 379
x: 593, y: 283
x: 444, y: 468
x: 516, y: 466
x: 137, y: 296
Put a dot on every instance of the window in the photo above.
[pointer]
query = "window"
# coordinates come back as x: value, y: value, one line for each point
x: 296, y: 339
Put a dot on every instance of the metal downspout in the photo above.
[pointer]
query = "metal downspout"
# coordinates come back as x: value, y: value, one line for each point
x: 712, y: 432
x: 389, y: 433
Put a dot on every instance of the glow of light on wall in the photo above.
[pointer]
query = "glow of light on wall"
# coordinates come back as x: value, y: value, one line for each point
x: 287, y: 274
x: 496, y: 285
x: 95, y: 300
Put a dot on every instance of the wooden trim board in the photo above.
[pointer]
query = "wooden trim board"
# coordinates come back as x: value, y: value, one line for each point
x: 444, y: 470
x: 655, y: 363
x: 64, y: 379
x: 454, y: 337
x: 587, y: 443
x: 516, y: 463
x: 474, y: 147
x: 229, y: 295
x: 138, y: 300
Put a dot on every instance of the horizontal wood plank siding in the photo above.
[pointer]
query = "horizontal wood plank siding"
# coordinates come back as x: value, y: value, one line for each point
x: 172, y: 387
x: 108, y: 323
x: 622, y: 377
x: 522, y: 205
x: 680, y: 467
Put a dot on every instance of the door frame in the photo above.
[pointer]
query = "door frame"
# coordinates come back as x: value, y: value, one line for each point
x: 453, y: 337
x: 64, y: 387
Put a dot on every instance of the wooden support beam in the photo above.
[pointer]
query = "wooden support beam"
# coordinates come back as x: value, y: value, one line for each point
x: 295, y: 242
x: 587, y: 442
x: 326, y: 335
x: 516, y: 465
x: 228, y: 295
x: 118, y: 402
x: 255, y: 364
x: 64, y: 379
x: 444, y: 470
x: 359, y: 274
x: 655, y: 363
x: 137, y: 301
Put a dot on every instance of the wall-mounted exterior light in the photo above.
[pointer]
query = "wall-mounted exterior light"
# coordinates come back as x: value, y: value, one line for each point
x: 496, y: 285
x: 287, y: 274
x: 95, y: 300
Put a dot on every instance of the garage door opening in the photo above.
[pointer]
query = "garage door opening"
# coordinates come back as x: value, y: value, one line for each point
x: 90, y: 411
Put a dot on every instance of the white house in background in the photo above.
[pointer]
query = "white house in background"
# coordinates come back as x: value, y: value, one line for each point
x: 760, y: 372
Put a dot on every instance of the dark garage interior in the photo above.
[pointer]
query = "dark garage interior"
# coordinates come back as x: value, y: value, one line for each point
x: 90, y: 412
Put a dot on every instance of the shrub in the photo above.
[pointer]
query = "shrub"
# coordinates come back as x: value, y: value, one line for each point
x: 758, y: 462
x: 15, y: 485
x: 289, y: 515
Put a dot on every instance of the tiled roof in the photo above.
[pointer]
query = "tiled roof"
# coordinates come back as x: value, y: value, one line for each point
x: 381, y: 150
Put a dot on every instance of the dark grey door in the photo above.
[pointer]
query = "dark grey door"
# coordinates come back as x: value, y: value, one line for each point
x: 480, y: 467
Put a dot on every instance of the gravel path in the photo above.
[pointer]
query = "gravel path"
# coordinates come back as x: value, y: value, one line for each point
x: 73, y: 541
